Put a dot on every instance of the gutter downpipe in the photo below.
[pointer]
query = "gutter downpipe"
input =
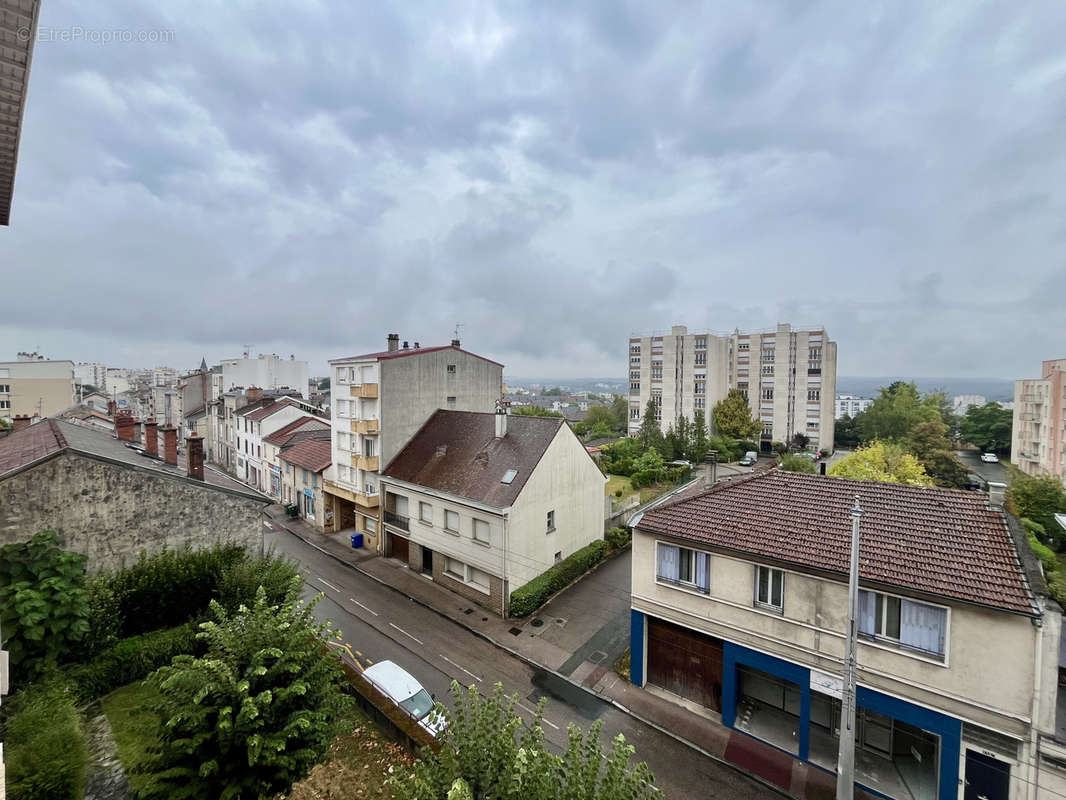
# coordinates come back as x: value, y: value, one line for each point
x: 1034, y: 736
x: 506, y: 583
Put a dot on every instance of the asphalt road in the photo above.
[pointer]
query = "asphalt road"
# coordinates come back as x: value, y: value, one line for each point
x: 379, y: 623
x: 971, y: 459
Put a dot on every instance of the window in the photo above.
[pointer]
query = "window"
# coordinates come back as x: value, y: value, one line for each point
x: 700, y: 387
x: 481, y: 531
x: 425, y: 512
x: 369, y: 488
x: 304, y: 476
x: 451, y: 521
x: 767, y: 354
x: 5, y: 388
x: 918, y: 626
x: 479, y: 579
x: 451, y: 401
x: 698, y: 403
x: 684, y: 567
x: 454, y: 569
x: 768, y: 369
x: 701, y: 358
x: 368, y: 446
x: 634, y: 413
x: 451, y: 369
x: 656, y: 373
x: 635, y: 360
x: 5, y: 404
x: 701, y: 343
x: 370, y: 525
x: 634, y: 375
x: 551, y: 521
x: 509, y: 476
x: 767, y: 394
x: 634, y: 386
x: 769, y: 588
x: 634, y: 348
x: 815, y: 354
x: 814, y: 395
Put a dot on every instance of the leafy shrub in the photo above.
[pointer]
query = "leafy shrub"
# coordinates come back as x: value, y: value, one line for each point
x: 239, y: 581
x: 1039, y: 499
x: 794, y: 462
x: 643, y: 478
x: 105, y: 619
x: 45, y: 746
x: 617, y: 538
x: 617, y: 492
x: 527, y: 599
x: 727, y: 448
x: 746, y: 446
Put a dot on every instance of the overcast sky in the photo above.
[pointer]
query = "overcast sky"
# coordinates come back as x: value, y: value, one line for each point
x: 307, y: 177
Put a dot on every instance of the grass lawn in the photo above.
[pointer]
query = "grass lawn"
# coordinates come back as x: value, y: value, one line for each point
x: 134, y: 730
x: 617, y: 482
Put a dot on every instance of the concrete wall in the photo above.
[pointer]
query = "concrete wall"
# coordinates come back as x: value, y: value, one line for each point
x: 265, y: 372
x: 569, y: 483
x: 36, y: 387
x: 987, y: 677
x: 112, y: 513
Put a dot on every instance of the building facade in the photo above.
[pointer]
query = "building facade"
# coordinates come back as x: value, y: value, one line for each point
x: 850, y: 405
x: 483, y: 503
x: 743, y: 614
x: 36, y: 388
x: 788, y: 376
x: 379, y: 400
x: 91, y: 374
x: 267, y: 371
x: 1038, y: 438
x: 305, y: 467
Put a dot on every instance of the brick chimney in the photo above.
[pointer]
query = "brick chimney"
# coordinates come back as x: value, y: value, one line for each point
x: 151, y: 436
x: 170, y: 444
x: 21, y: 421
x: 112, y: 408
x: 124, y: 426
x: 194, y: 455
x: 455, y: 342
x: 393, y: 340
x: 138, y: 431
x: 254, y: 394
x: 997, y: 494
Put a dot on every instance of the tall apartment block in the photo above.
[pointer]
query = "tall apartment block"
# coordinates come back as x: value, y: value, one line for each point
x: 789, y: 377
x: 33, y: 386
x: 379, y: 401
x: 1038, y: 439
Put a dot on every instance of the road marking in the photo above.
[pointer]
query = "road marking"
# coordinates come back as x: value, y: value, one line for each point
x: 405, y: 633
x: 545, y: 720
x: 375, y: 613
x: 464, y: 669
x: 330, y: 585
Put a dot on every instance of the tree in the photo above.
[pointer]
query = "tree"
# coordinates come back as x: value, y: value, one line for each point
x: 733, y: 419
x: 988, y: 427
x: 488, y: 752
x: 88, y: 388
x: 600, y: 431
x: 699, y: 445
x: 897, y: 409
x: 847, y: 431
x: 683, y: 438
x: 534, y: 411
x: 1039, y: 499
x: 929, y: 443
x: 794, y: 462
x: 650, y: 435
x: 254, y: 713
x: 671, y: 444
x: 881, y: 461
x: 620, y: 411
x: 799, y: 442
x: 44, y: 605
x: 600, y: 415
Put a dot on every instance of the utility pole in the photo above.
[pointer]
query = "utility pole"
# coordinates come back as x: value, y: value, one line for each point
x: 846, y: 755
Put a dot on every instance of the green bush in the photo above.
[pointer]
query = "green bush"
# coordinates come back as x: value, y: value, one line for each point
x: 105, y: 619
x: 239, y: 581
x: 744, y: 447
x: 527, y: 599
x: 45, y: 746
x: 727, y: 448
x: 617, y: 538
x: 794, y: 462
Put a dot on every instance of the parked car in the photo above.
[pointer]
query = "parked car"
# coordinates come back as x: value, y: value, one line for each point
x: 990, y: 458
x: 749, y: 459
x: 400, y: 686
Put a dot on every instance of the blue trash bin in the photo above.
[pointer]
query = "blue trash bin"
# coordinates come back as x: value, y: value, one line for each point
x: 357, y: 541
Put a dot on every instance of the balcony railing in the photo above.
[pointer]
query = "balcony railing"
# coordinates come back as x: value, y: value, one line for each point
x: 367, y: 463
x: 366, y: 426
x: 397, y: 520
x: 1032, y: 398
x: 1028, y: 417
x: 365, y: 390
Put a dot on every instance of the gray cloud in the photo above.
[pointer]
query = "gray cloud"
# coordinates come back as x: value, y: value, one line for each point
x: 307, y: 177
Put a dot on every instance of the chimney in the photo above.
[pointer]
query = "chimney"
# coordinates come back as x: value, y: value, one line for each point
x: 455, y: 342
x: 112, y: 408
x: 254, y: 394
x: 151, y: 437
x: 501, y: 421
x: 194, y: 455
x: 394, y: 342
x: 406, y: 346
x: 20, y: 421
x: 138, y: 431
x: 124, y: 426
x: 170, y: 444
x: 417, y: 345
x: 997, y: 493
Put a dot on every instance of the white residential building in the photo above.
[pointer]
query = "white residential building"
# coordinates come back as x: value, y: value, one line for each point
x: 1038, y: 436
x: 267, y: 371
x: 253, y: 424
x: 484, y: 502
x: 962, y: 402
x: 35, y: 387
x: 850, y: 405
x: 91, y: 374
x: 788, y: 376
x: 378, y: 402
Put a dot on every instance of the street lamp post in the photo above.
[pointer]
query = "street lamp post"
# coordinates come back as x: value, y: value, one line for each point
x: 846, y: 755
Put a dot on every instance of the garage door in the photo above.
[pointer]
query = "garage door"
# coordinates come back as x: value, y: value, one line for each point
x: 399, y: 547
x: 686, y: 663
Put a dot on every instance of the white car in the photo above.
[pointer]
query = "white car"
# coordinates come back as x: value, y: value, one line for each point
x: 990, y: 458
x: 399, y: 685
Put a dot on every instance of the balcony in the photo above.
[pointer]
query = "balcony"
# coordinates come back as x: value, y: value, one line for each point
x: 359, y: 498
x: 1032, y: 398
x: 365, y: 426
x: 1028, y: 417
x: 368, y: 463
x: 368, y: 391
x: 397, y: 521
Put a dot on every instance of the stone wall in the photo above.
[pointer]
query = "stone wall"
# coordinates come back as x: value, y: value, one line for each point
x: 112, y: 513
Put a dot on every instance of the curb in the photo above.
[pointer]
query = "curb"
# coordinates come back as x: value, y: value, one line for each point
x: 530, y: 662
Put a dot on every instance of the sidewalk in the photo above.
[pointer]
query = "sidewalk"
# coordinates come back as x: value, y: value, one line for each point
x: 523, y: 640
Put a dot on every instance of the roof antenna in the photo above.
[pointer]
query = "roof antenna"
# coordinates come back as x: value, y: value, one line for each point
x: 455, y: 338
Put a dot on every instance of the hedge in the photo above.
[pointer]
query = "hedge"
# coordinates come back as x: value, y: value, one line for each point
x: 45, y: 746
x: 527, y: 599
x: 617, y: 538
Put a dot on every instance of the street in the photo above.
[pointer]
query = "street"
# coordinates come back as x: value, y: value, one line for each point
x: 971, y: 459
x: 379, y: 623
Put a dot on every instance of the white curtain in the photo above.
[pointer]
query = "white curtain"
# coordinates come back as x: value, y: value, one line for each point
x: 703, y: 573
x: 922, y: 626
x: 669, y: 562
x: 867, y: 612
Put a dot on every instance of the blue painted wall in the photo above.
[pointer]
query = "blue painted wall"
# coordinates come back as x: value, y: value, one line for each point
x: 636, y: 647
x: 734, y: 654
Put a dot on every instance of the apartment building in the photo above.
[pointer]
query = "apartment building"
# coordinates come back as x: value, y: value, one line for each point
x: 740, y: 607
x: 850, y: 405
x: 788, y: 376
x: 267, y: 371
x: 91, y: 374
x: 1038, y: 438
x: 305, y: 469
x: 35, y: 387
x: 379, y: 400
x: 253, y: 424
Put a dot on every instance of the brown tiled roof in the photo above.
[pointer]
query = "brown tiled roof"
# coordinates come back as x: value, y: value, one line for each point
x: 312, y: 454
x: 938, y: 541
x: 384, y: 355
x: 30, y: 444
x: 458, y: 452
x: 282, y: 435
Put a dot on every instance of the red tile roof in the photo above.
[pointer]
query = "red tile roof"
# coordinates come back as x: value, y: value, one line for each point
x: 30, y: 444
x: 312, y: 454
x: 938, y: 541
x: 411, y: 351
x: 282, y: 435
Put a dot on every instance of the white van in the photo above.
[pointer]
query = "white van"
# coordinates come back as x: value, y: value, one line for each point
x: 398, y: 685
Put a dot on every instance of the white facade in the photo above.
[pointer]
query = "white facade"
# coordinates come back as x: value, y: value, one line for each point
x: 35, y: 387
x: 962, y: 402
x: 255, y: 467
x: 92, y: 374
x: 265, y: 372
x: 850, y: 405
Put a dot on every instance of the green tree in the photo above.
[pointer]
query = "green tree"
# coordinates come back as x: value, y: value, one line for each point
x: 897, y: 409
x: 600, y: 431
x: 988, y: 427
x: 733, y: 419
x: 929, y: 443
x: 881, y: 461
x: 487, y: 752
x: 601, y: 415
x: 650, y: 434
x: 798, y: 443
x: 794, y: 462
x: 1039, y: 499
x: 620, y: 411
x: 254, y: 713
x: 534, y: 411
x: 847, y: 431
x: 699, y: 443
x: 44, y: 605
x: 683, y: 438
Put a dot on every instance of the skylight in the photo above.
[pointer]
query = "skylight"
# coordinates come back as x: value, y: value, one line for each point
x: 509, y: 476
